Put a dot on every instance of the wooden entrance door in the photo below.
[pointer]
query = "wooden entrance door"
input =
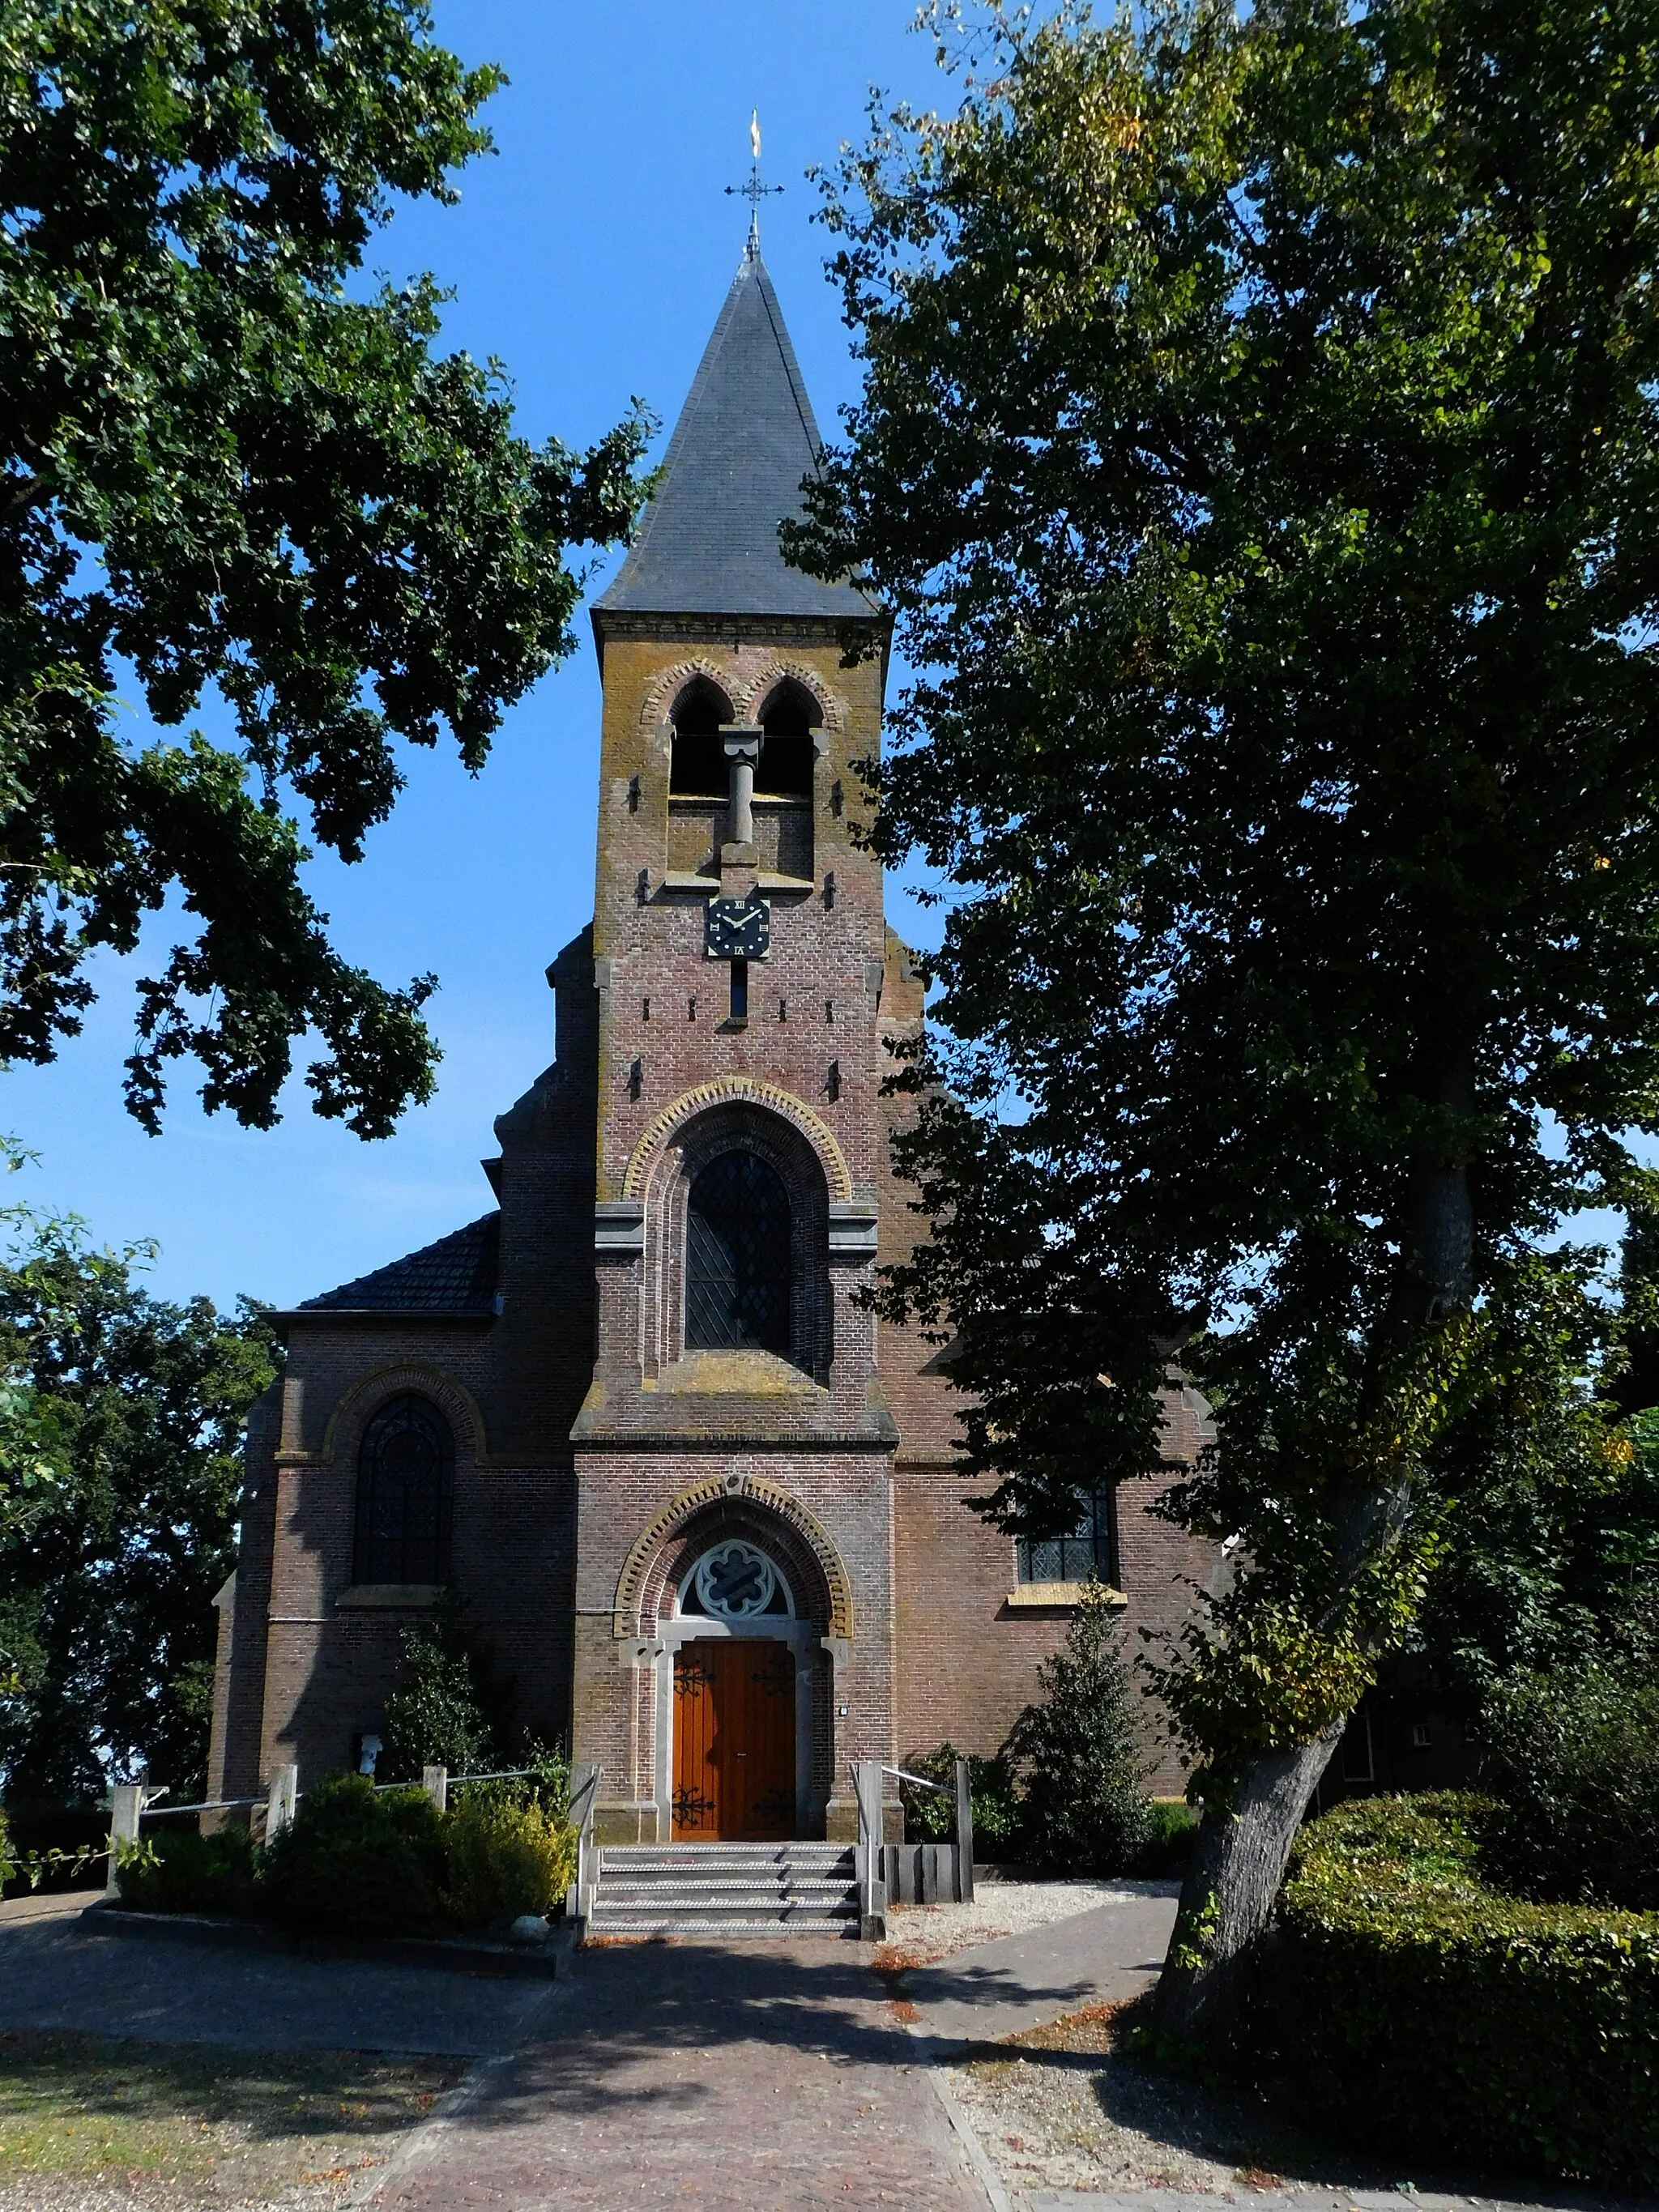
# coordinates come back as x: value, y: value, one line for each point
x: 734, y: 1741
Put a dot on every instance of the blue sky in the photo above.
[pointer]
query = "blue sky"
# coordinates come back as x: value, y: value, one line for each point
x: 591, y: 253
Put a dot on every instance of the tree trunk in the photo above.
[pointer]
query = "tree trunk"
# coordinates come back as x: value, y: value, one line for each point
x: 1232, y: 1880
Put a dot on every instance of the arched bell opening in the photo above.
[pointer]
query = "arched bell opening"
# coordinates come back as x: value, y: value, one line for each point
x: 789, y: 714
x: 698, y: 768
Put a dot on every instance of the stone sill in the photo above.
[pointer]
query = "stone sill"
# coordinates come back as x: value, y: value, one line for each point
x: 1053, y: 1595
x: 716, y: 802
x: 677, y: 881
x: 733, y: 1373
x: 390, y: 1597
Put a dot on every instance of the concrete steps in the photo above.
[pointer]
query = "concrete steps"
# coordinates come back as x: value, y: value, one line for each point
x: 725, y: 1889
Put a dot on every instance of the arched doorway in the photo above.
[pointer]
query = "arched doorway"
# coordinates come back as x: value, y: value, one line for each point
x: 734, y: 1753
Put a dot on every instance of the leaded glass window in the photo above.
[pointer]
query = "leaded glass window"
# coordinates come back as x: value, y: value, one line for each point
x: 737, y: 1255
x: 405, y: 1492
x: 1091, y: 1549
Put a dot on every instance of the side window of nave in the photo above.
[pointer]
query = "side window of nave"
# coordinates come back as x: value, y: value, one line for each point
x: 405, y: 1495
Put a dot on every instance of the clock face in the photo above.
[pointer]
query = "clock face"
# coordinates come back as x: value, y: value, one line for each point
x: 736, y: 929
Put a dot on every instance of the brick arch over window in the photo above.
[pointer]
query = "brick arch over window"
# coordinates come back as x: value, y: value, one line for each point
x: 738, y: 1090
x: 738, y: 1125
x: 727, y: 1505
x: 362, y: 1400
x: 668, y: 684
x: 753, y: 694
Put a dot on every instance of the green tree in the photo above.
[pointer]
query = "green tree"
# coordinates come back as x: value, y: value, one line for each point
x: 226, y: 466
x: 435, y: 1716
x: 1082, y: 1764
x: 106, y: 1620
x: 1543, y: 1496
x: 1258, y: 452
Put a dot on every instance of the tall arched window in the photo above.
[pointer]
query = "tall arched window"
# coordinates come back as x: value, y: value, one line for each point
x: 737, y: 1255
x: 698, y: 768
x: 405, y: 1492
x: 789, y: 717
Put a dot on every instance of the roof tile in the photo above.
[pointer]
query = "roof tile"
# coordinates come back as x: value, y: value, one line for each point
x: 455, y: 1275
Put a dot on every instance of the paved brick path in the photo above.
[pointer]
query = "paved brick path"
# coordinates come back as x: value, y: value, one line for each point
x: 778, y: 2080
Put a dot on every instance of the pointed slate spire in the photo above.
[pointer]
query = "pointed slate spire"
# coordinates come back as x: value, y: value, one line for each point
x: 709, y: 542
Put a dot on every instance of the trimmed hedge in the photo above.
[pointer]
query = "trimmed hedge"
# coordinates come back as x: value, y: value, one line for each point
x: 361, y: 1861
x: 1422, y: 2004
x: 179, y: 1871
x: 357, y: 1860
x: 502, y: 1859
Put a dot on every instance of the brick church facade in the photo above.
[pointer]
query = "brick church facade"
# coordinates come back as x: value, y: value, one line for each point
x: 633, y: 1431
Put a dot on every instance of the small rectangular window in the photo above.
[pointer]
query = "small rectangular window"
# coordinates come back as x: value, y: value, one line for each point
x: 1421, y: 1736
x: 739, y: 990
x: 1091, y: 1549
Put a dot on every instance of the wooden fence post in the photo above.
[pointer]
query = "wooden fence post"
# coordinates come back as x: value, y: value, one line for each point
x: 872, y: 1892
x: 584, y: 1802
x: 435, y: 1780
x: 126, y: 1802
x: 964, y: 1836
x: 281, y: 1797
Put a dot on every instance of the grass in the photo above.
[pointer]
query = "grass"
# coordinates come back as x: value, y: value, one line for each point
x: 192, y: 2125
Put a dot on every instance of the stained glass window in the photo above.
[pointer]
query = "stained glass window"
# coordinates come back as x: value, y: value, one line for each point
x: 737, y: 1273
x: 405, y: 1488
x: 1091, y: 1549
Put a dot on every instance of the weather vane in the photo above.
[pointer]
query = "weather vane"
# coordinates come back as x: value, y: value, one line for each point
x: 754, y: 191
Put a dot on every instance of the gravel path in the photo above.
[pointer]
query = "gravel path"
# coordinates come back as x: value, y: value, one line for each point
x: 1060, y: 2110
x: 917, y: 1935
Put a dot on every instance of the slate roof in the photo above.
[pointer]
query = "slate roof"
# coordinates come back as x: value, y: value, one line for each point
x: 707, y: 543
x: 456, y: 1275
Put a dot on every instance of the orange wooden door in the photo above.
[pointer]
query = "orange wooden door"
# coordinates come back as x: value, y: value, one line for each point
x: 734, y: 1741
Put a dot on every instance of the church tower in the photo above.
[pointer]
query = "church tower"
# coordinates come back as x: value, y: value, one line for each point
x: 733, y: 1454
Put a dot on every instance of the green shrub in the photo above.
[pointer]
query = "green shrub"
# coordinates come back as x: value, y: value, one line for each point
x: 1171, y: 1829
x: 357, y: 1861
x: 931, y: 1818
x: 435, y: 1716
x: 502, y: 1858
x: 1574, y: 1760
x: 1084, y: 1807
x: 8, y: 1862
x: 1420, y: 2004
x: 179, y: 1871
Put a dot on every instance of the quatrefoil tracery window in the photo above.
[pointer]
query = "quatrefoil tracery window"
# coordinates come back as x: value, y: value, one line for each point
x: 734, y: 1582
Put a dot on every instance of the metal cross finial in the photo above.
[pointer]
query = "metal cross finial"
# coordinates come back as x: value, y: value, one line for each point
x: 754, y: 191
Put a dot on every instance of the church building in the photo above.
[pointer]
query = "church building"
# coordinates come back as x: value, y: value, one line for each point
x: 632, y: 1435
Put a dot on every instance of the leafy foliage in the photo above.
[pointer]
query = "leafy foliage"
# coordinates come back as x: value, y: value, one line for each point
x: 362, y: 1861
x: 502, y: 1858
x: 1084, y: 1807
x: 107, y: 1622
x: 435, y: 1716
x: 1422, y: 2004
x: 1258, y: 448
x: 1573, y: 1759
x: 931, y: 1817
x: 226, y: 466
x: 1545, y: 1501
x: 183, y: 1872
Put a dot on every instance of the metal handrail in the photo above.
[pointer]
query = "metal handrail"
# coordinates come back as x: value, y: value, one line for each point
x: 208, y: 1805
x: 920, y: 1781
x: 506, y: 1774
